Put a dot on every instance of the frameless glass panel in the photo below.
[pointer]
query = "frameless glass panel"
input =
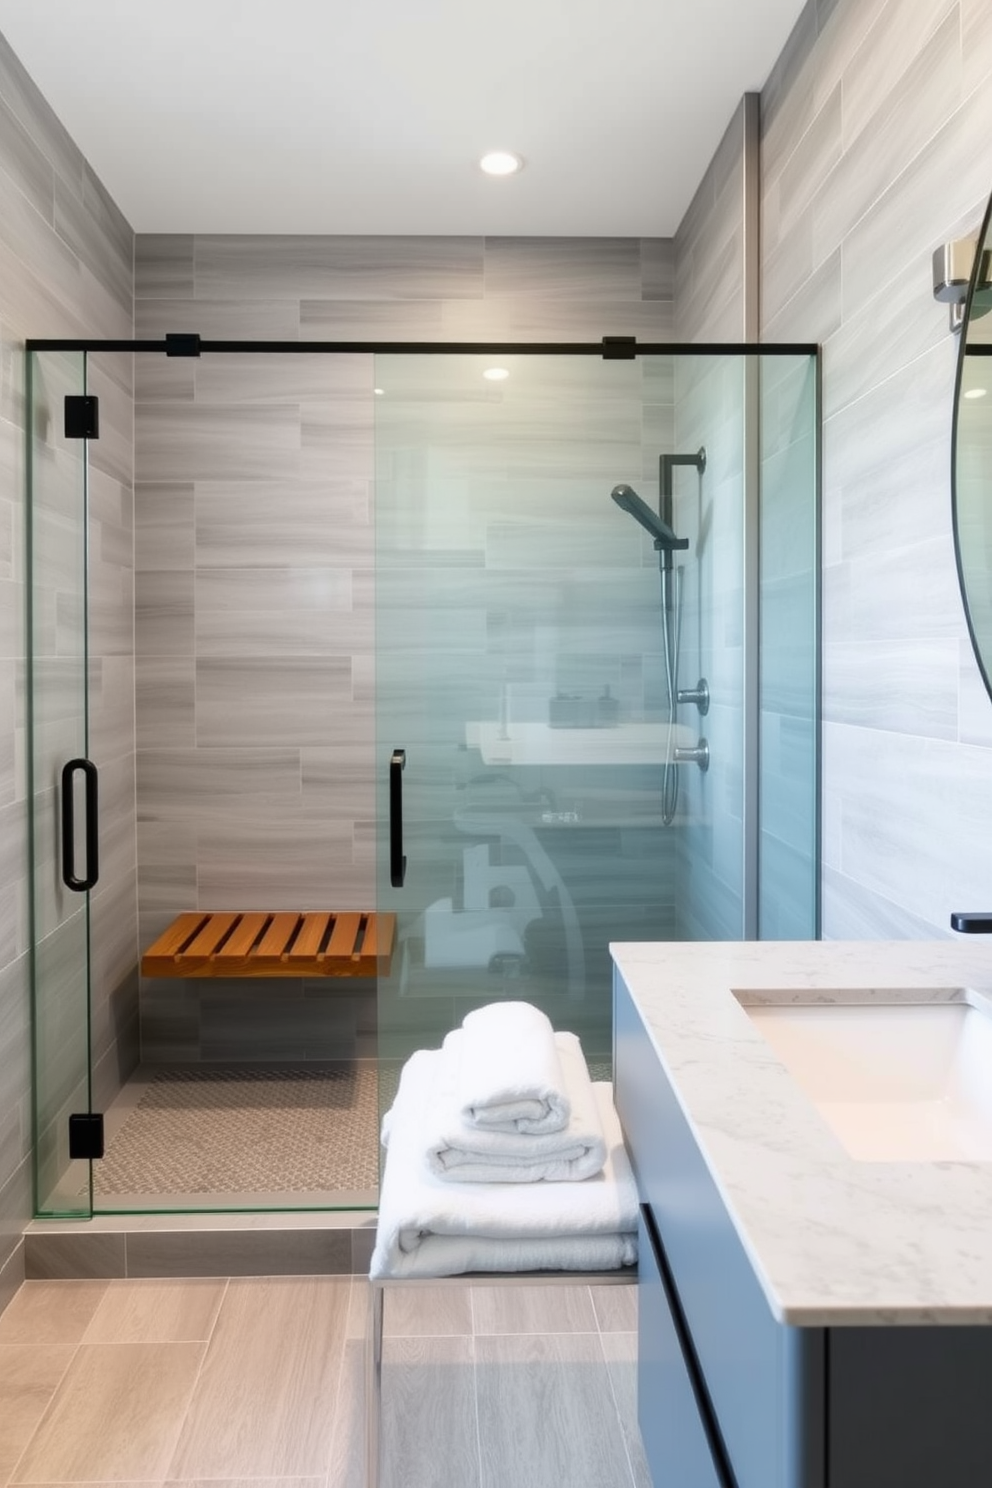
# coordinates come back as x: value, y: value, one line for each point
x: 57, y: 733
x: 708, y: 415
x: 788, y: 897
x: 531, y: 644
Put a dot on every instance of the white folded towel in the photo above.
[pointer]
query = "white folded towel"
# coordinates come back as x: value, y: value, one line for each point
x: 510, y: 1076
x: 429, y: 1227
x: 471, y: 1154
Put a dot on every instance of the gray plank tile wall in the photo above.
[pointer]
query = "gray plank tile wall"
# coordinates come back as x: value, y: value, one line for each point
x: 709, y: 262
x: 873, y: 126
x: 255, y: 559
x: 65, y: 270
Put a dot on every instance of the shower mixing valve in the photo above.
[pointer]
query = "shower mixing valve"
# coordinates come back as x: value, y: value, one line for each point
x: 700, y: 695
x: 699, y: 755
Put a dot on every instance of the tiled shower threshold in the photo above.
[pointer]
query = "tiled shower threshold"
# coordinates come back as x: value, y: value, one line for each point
x: 314, y: 1243
x: 184, y: 1227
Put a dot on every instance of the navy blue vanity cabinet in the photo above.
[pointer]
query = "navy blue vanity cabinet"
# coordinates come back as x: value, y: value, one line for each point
x: 754, y: 1403
x: 675, y: 1426
x: 760, y: 1384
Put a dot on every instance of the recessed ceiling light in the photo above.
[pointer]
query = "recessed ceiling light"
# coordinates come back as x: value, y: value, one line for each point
x: 496, y: 374
x: 501, y: 163
x: 379, y: 392
x: 975, y: 393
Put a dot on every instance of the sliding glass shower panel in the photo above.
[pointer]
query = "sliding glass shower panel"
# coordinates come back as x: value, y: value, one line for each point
x: 521, y: 671
x: 709, y: 508
x: 789, y: 672
x: 57, y: 725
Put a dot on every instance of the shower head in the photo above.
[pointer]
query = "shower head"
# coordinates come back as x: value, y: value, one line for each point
x: 665, y: 540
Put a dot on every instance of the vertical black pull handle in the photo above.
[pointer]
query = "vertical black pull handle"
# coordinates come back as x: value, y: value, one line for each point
x: 397, y: 862
x: 69, y: 878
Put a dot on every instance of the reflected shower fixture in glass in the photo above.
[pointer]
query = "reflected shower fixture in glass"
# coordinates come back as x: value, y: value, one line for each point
x: 659, y: 526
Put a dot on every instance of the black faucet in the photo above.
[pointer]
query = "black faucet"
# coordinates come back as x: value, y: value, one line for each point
x: 976, y: 923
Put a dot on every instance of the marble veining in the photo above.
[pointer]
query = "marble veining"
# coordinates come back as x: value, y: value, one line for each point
x: 833, y: 1240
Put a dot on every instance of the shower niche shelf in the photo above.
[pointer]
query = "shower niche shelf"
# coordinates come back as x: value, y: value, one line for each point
x: 279, y: 944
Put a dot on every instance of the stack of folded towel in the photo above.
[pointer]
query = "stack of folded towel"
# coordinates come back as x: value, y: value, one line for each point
x: 513, y: 1102
x: 503, y: 1155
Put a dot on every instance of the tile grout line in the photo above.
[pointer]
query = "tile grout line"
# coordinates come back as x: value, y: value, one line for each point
x: 473, y: 1345
x: 612, y: 1386
x: 337, y: 1421
x: 208, y: 1343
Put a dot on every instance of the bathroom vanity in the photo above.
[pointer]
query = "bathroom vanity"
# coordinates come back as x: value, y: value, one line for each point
x: 808, y: 1127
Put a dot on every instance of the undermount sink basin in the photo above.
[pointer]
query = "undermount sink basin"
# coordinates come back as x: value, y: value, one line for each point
x: 900, y: 1082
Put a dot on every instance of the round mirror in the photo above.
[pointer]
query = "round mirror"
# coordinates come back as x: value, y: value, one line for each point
x: 971, y: 457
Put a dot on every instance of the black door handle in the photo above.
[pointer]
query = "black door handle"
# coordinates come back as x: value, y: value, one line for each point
x: 397, y: 862
x: 80, y: 885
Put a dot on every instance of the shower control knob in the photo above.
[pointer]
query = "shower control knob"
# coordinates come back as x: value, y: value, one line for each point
x: 699, y: 755
x: 700, y: 695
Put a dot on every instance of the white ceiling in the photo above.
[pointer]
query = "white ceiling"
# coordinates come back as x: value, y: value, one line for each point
x: 321, y: 116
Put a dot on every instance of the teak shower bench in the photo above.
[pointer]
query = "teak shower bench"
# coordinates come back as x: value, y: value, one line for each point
x: 283, y: 944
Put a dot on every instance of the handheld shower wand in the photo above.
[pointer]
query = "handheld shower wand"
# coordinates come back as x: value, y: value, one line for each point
x: 659, y: 528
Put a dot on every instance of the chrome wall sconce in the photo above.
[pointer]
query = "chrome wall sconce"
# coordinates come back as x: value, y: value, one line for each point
x: 953, y: 265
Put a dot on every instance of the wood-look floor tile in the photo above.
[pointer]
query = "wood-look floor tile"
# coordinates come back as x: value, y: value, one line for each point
x: 319, y: 1482
x: 314, y: 1482
x: 620, y: 1350
x: 116, y: 1414
x: 164, y: 1311
x: 358, y: 1309
x: 261, y: 1405
x: 429, y: 1430
x: 547, y: 1415
x: 51, y: 1311
x: 346, y: 1465
x: 418, y: 1312
x: 616, y: 1308
x: 532, y: 1309
x: 29, y: 1377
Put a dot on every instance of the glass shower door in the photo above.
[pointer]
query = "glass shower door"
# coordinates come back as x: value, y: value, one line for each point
x: 61, y: 782
x: 522, y: 710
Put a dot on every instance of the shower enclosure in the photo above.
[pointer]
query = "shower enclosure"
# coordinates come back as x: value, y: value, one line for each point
x: 396, y: 649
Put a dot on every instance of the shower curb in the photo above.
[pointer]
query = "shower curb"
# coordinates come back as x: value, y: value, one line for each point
x: 190, y: 1245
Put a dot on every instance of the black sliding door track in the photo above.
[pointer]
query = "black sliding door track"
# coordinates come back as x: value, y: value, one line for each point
x: 610, y: 349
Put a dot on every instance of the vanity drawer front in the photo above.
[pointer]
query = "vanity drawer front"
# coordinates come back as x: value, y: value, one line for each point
x: 676, y: 1440
x: 765, y: 1380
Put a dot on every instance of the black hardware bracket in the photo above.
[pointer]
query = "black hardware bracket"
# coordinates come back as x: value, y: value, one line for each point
x: 82, y: 416
x: 182, y: 344
x: 86, y: 1135
x: 619, y: 348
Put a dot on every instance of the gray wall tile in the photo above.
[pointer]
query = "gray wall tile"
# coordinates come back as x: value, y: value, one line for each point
x: 65, y: 256
x: 177, y: 443
x: 563, y: 268
x: 218, y: 319
x: 339, y: 268
x: 901, y: 793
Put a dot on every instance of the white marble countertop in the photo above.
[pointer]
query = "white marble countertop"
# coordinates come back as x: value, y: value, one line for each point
x: 833, y: 1240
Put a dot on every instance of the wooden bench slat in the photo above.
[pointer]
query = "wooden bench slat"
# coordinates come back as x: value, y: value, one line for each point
x: 236, y: 949
x: 378, y: 941
x: 275, y: 940
x: 159, y: 959
x: 202, y: 948
x: 289, y: 945
x: 341, y: 945
x: 308, y: 942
